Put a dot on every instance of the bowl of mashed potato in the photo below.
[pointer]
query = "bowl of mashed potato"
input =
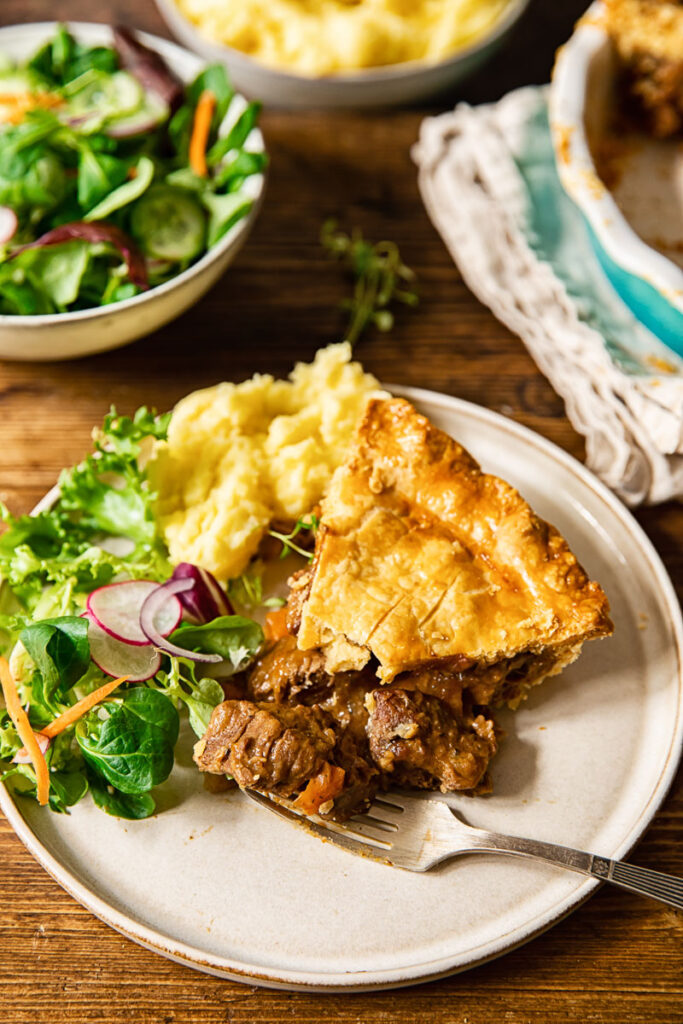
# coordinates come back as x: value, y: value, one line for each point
x: 343, y: 53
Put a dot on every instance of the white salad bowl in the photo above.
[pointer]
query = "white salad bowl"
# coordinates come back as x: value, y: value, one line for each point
x: 391, y: 85
x: 582, y: 97
x: 84, y: 332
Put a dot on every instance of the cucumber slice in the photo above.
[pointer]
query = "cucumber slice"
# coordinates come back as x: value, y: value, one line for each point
x: 169, y: 224
x: 106, y: 96
x: 153, y: 112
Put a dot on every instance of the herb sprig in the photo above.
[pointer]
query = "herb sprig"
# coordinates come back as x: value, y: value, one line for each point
x: 380, y: 275
x: 304, y: 525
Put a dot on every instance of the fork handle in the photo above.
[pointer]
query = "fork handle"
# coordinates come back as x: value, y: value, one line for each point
x: 666, y: 888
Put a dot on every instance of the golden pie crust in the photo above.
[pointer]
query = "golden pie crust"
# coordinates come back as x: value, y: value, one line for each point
x: 422, y: 560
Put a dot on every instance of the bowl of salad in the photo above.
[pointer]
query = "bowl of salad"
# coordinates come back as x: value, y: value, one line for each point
x: 130, y: 175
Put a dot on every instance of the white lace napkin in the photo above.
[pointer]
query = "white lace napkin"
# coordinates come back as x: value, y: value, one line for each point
x: 487, y: 177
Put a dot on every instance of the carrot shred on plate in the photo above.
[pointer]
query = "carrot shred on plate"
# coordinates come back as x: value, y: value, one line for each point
x: 72, y: 714
x: 324, y: 787
x: 201, y: 127
x: 26, y: 733
x: 276, y: 624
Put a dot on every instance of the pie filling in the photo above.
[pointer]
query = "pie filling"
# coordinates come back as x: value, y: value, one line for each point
x: 331, y: 742
x: 648, y: 37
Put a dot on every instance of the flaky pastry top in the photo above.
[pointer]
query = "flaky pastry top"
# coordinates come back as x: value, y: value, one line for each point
x: 422, y: 558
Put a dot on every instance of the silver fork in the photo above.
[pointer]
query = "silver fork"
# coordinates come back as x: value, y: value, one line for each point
x: 414, y: 834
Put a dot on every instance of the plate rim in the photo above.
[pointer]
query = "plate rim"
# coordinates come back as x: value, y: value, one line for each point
x: 398, y: 977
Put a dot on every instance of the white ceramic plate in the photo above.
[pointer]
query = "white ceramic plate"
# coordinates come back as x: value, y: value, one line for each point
x: 219, y: 884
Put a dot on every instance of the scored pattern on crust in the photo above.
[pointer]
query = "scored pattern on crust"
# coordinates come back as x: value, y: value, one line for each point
x: 423, y: 558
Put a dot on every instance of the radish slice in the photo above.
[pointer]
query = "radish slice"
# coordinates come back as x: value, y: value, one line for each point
x: 8, y: 228
x: 116, y: 609
x: 152, y: 612
x: 23, y: 757
x: 120, y: 659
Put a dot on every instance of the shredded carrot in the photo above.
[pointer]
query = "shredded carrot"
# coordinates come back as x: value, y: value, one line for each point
x: 322, y: 788
x: 201, y: 127
x: 72, y: 714
x: 23, y: 102
x: 26, y: 733
x: 276, y: 624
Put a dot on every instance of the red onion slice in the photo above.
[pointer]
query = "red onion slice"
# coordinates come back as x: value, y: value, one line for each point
x: 206, y: 600
x: 150, y: 611
x: 148, y: 66
x: 23, y: 757
x: 97, y: 231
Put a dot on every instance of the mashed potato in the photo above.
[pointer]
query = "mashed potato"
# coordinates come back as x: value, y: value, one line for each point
x: 239, y: 456
x: 322, y: 37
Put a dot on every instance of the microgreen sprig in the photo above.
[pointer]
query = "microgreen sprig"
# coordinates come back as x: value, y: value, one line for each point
x: 306, y: 523
x: 247, y: 591
x: 380, y: 276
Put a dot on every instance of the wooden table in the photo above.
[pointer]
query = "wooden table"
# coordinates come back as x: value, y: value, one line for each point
x: 616, y: 959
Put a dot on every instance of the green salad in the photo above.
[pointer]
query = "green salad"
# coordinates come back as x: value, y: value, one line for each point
x: 102, y: 641
x: 113, y: 175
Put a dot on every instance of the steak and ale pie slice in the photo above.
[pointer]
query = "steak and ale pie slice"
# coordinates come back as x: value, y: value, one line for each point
x: 424, y: 565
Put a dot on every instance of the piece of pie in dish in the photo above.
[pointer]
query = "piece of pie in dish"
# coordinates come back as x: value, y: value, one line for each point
x: 648, y: 38
x: 423, y: 561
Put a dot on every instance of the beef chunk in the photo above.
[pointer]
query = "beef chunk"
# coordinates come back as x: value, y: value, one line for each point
x: 266, y: 746
x: 418, y: 741
x: 286, y: 675
x: 289, y: 676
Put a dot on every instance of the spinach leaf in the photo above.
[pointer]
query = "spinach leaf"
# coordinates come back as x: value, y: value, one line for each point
x: 35, y: 179
x: 224, y: 211
x: 237, y: 135
x: 98, y: 175
x: 60, y: 650
x: 56, y: 271
x: 179, y: 131
x: 126, y: 193
x: 63, y: 58
x: 205, y: 696
x: 216, y: 81
x: 199, y: 695
x: 66, y: 789
x: 133, y: 747
x: 214, y: 78
x: 231, y: 175
x: 19, y: 296
x: 132, y: 806
x: 234, y: 637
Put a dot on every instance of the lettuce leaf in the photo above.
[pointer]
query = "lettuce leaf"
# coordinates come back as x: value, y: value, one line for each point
x: 106, y: 495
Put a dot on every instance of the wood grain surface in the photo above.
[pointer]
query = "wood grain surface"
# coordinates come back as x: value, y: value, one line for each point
x: 617, y: 959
